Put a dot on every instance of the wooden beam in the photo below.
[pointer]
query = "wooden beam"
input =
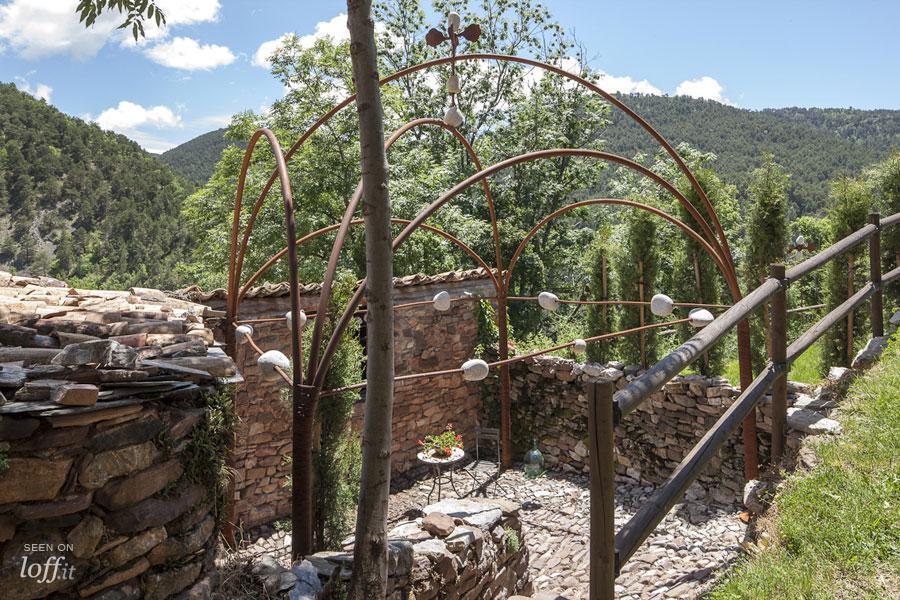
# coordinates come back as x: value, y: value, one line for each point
x: 601, y: 439
x: 876, y: 308
x: 778, y: 355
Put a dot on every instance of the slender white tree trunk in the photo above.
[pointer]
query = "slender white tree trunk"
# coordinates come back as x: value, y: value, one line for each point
x: 370, y: 552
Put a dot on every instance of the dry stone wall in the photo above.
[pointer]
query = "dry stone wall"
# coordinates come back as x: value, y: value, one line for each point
x: 549, y: 405
x: 465, y: 549
x: 108, y: 466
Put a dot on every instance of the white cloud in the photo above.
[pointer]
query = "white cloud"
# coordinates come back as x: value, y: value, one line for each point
x: 128, y: 115
x: 626, y: 85
x: 262, y: 57
x: 41, y: 91
x: 705, y: 87
x: 132, y: 120
x: 177, y: 12
x: 186, y: 53
x: 335, y: 29
x: 184, y: 12
x: 37, y: 28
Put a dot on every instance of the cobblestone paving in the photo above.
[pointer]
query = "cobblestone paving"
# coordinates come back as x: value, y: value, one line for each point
x: 680, y: 559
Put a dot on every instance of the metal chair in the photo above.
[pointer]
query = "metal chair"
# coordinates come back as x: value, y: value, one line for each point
x: 484, y: 472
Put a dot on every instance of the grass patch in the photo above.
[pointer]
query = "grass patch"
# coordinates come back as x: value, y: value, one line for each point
x: 806, y: 369
x: 837, y: 527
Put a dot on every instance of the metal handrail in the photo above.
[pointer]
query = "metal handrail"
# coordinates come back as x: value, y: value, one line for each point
x: 630, y: 397
x: 611, y: 550
x: 667, y: 495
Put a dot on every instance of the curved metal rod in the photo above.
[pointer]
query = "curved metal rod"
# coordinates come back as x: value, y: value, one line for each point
x: 319, y: 377
x: 515, y: 359
x: 337, y: 246
x: 287, y: 196
x: 616, y: 202
x: 320, y: 232
x: 552, y: 153
x: 503, y: 58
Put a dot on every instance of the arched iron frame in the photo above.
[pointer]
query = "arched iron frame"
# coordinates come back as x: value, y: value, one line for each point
x: 306, y: 392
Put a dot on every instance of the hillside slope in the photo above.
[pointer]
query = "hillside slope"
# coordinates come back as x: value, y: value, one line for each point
x: 195, y: 159
x: 83, y: 204
x: 814, y: 145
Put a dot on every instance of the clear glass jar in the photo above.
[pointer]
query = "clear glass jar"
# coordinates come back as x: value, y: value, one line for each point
x: 534, y: 461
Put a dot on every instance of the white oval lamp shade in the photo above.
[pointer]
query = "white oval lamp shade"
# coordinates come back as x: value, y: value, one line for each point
x: 661, y: 305
x: 800, y: 241
x: 453, y: 84
x: 475, y: 369
x: 454, y: 20
x: 700, y: 317
x: 453, y: 117
x: 548, y: 301
x: 441, y: 301
x: 290, y: 319
x: 243, y: 333
x: 269, y: 360
x: 579, y: 346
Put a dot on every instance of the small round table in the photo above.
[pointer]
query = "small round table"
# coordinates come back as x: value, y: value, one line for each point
x: 440, y: 478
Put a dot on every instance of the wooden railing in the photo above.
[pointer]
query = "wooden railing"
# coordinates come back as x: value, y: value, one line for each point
x: 609, y: 550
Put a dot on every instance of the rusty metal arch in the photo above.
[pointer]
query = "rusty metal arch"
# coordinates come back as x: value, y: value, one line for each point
x: 325, y: 230
x: 318, y: 379
x: 503, y: 58
x: 354, y: 203
x: 608, y: 202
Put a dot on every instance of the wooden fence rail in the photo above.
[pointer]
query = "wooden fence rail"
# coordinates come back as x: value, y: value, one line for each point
x: 609, y: 551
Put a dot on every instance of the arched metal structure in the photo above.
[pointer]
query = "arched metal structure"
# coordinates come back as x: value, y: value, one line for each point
x: 307, y: 390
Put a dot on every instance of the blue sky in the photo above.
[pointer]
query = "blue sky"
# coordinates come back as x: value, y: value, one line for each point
x: 206, y: 65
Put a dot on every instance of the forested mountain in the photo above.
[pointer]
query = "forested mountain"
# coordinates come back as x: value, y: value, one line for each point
x: 83, y: 204
x: 194, y: 160
x: 814, y: 145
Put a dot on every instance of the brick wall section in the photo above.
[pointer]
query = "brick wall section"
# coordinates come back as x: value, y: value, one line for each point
x: 425, y: 340
x: 549, y: 404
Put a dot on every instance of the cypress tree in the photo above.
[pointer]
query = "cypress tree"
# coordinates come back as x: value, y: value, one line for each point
x: 600, y: 318
x: 765, y: 240
x: 848, y: 211
x: 885, y: 181
x: 637, y: 264
x: 696, y: 277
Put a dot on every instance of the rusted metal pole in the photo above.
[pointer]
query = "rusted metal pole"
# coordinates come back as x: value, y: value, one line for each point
x: 876, y: 304
x: 778, y: 354
x: 505, y: 402
x: 601, y: 437
x: 642, y: 339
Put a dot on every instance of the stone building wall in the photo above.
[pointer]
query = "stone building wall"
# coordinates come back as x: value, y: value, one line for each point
x: 108, y: 477
x: 549, y: 404
x: 425, y: 340
x: 465, y: 549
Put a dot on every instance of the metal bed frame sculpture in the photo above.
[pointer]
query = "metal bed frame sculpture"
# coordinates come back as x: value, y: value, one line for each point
x: 308, y: 389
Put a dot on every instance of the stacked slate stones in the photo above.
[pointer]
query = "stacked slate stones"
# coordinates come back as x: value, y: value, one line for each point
x: 101, y: 396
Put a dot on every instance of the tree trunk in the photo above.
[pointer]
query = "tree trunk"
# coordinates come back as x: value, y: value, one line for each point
x: 370, y: 551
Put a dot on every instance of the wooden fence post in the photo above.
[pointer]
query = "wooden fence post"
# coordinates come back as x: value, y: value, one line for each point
x: 875, y: 306
x: 777, y: 354
x: 601, y: 432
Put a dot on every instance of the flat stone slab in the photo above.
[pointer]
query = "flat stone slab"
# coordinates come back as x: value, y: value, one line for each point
x: 473, y: 512
x: 812, y: 422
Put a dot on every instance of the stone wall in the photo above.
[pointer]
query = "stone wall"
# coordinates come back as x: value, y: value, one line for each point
x: 549, y: 404
x: 466, y: 549
x: 108, y: 470
x: 425, y: 340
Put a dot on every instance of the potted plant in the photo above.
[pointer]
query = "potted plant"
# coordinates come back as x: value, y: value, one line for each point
x: 441, y: 445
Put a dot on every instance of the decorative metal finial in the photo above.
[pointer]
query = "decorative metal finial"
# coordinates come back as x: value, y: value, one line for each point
x: 434, y: 38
